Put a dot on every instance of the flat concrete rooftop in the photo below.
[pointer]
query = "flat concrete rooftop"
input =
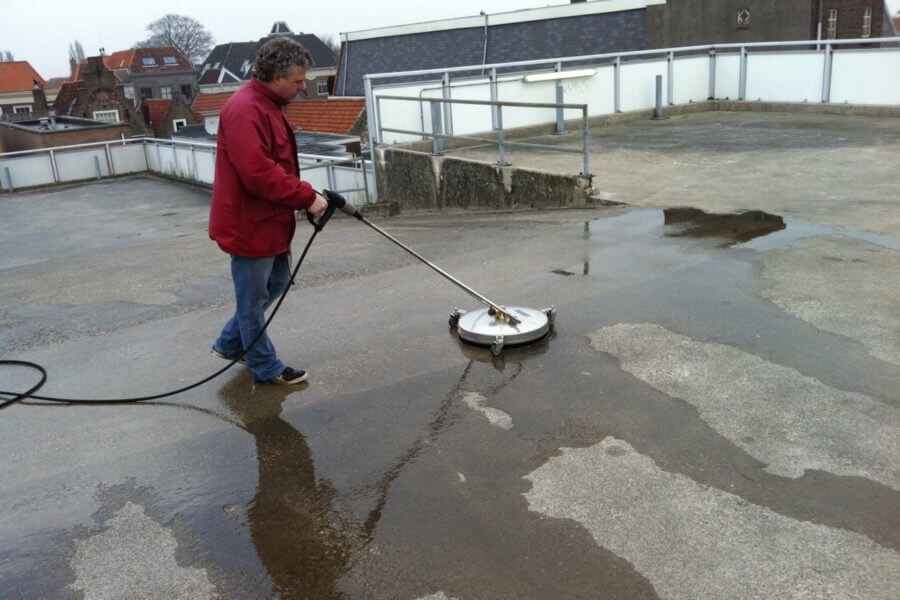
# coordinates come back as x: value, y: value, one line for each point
x: 834, y: 170
x: 716, y: 414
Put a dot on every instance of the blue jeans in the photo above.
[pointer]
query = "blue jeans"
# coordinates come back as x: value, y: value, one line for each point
x: 258, y: 282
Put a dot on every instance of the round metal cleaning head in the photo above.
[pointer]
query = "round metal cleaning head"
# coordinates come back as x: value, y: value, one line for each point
x: 482, y: 327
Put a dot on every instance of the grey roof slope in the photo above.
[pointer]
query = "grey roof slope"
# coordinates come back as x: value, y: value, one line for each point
x: 234, y: 55
x: 549, y: 38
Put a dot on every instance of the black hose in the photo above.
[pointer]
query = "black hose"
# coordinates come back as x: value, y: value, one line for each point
x: 14, y: 397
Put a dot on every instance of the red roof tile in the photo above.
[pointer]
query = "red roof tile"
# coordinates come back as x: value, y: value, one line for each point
x: 330, y: 115
x: 18, y: 76
x: 119, y: 60
x: 210, y: 102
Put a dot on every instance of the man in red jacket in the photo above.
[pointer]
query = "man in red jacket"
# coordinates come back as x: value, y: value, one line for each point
x: 256, y: 191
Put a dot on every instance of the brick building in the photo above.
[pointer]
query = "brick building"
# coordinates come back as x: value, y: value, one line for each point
x: 96, y: 95
x: 51, y: 132
x: 153, y: 72
x: 17, y: 83
x: 695, y: 22
x: 160, y: 118
x: 598, y: 27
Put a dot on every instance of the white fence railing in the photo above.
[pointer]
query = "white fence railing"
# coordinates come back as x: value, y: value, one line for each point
x: 801, y: 71
x: 191, y: 161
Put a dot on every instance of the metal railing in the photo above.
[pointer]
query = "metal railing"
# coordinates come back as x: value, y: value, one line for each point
x: 438, y: 136
x: 187, y: 160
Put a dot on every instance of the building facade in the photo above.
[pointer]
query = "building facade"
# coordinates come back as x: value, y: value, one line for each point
x: 230, y: 65
x: 598, y: 27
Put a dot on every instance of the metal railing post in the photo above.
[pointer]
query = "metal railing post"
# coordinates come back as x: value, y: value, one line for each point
x: 329, y: 175
x: 194, y: 162
x: 560, y: 125
x: 658, y: 112
x: 9, y: 184
x: 158, y: 156
x: 586, y: 164
x: 494, y: 98
x: 97, y: 166
x: 501, y: 159
x: 437, y: 142
x: 54, y: 167
x: 365, y: 178
x: 374, y: 124
x: 109, y: 164
x: 617, y: 86
x: 742, y: 84
x: 670, y: 76
x: 712, y: 74
x: 448, y: 114
x: 826, y: 75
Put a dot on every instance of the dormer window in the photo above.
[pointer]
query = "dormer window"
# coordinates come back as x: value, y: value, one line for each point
x: 148, y: 61
x: 169, y: 60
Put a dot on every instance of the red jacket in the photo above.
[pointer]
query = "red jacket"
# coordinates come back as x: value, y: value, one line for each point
x: 257, y: 186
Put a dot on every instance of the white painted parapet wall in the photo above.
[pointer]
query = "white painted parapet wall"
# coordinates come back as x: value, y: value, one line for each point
x: 828, y: 72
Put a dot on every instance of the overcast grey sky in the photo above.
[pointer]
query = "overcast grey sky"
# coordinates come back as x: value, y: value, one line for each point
x: 40, y: 31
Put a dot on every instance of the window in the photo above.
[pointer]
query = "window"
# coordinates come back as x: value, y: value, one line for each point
x: 18, y: 110
x: 107, y: 116
x: 832, y: 24
x: 146, y: 92
x: 148, y: 61
x: 165, y: 92
x: 179, y: 123
x: 129, y: 92
x: 245, y: 68
x: 169, y: 60
x: 322, y: 87
x: 867, y: 22
x: 186, y: 91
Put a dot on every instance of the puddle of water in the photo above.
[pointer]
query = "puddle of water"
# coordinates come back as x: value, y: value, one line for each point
x: 733, y: 228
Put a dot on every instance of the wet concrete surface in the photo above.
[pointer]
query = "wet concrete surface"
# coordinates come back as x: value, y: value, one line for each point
x: 689, y: 429
x: 825, y: 169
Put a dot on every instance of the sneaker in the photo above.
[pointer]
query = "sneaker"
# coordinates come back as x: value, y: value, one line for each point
x: 290, y: 377
x: 215, y: 352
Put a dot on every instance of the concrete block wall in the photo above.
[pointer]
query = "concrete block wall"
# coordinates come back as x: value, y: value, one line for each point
x: 420, y: 181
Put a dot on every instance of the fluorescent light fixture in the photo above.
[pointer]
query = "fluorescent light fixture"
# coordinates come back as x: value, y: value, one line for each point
x: 559, y: 75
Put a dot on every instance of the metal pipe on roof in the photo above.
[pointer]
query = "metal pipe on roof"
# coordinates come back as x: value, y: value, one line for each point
x: 484, y: 54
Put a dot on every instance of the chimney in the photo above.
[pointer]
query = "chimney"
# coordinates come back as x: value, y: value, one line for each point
x: 40, y: 98
x: 95, y: 64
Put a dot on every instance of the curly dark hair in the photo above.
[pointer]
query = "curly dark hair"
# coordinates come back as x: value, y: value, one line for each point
x: 277, y: 56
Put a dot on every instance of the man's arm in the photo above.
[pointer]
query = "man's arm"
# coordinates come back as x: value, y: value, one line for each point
x: 248, y: 146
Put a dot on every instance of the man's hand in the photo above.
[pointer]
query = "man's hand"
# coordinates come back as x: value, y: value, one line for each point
x: 318, y: 206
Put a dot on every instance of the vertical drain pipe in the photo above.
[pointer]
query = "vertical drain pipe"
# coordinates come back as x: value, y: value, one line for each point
x: 560, y: 124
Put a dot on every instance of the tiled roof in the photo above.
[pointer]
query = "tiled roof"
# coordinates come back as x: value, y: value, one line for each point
x: 234, y: 56
x: 158, y: 110
x: 158, y: 53
x: 335, y: 115
x: 66, y: 95
x: 18, y: 76
x: 210, y: 102
x: 527, y: 40
x: 119, y: 60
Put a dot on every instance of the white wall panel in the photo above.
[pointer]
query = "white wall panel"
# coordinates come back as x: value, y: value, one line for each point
x: 866, y: 76
x: 785, y: 76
